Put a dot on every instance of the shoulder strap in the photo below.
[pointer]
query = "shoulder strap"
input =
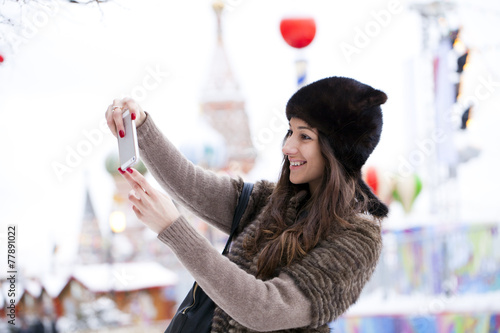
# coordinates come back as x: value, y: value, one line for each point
x: 238, y: 212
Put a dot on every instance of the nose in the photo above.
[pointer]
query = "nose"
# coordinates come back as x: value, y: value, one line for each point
x: 289, y: 147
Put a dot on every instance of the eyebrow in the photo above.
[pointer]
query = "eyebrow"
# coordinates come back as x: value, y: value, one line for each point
x: 302, y: 127
x: 305, y: 127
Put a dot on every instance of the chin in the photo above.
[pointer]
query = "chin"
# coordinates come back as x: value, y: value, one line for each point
x: 295, y: 182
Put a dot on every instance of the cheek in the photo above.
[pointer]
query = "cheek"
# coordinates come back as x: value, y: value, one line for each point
x: 319, y: 169
x: 320, y: 164
x: 317, y: 157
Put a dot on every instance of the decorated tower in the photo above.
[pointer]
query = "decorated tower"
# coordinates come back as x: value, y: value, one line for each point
x: 223, y: 105
x: 91, y: 249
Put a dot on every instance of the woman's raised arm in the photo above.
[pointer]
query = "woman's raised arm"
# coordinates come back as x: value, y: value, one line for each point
x: 212, y: 197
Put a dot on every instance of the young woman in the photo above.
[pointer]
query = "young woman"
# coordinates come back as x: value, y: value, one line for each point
x: 306, y: 245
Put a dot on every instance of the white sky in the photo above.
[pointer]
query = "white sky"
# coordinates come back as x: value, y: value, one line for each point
x: 55, y: 87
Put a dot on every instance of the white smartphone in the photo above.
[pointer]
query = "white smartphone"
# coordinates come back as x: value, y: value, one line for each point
x: 128, y: 149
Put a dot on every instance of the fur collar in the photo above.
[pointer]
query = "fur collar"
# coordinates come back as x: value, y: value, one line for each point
x: 342, y: 263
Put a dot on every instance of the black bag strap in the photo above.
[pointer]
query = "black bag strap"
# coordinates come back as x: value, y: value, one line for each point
x: 238, y: 212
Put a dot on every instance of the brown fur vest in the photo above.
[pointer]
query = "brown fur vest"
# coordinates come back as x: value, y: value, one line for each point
x: 332, y: 275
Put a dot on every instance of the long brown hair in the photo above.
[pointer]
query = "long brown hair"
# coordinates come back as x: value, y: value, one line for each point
x: 296, y: 220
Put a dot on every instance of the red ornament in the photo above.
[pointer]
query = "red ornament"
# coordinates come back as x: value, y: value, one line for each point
x: 298, y: 32
x: 372, y: 179
x: 1, y: 58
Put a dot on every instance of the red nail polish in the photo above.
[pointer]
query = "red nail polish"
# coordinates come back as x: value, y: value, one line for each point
x: 122, y: 133
x: 121, y: 171
x: 130, y: 170
x: 132, y: 116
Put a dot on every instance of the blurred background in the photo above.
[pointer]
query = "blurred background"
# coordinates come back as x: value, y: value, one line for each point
x: 215, y: 76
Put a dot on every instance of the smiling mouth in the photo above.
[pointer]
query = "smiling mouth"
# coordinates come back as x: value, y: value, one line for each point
x: 297, y: 163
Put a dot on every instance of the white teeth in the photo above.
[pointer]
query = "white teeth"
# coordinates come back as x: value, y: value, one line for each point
x: 297, y: 163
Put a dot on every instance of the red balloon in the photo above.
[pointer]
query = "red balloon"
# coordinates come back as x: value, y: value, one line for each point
x: 1, y: 58
x: 372, y: 179
x: 298, y: 32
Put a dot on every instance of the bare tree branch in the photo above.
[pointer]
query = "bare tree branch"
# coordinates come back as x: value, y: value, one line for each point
x: 14, y: 13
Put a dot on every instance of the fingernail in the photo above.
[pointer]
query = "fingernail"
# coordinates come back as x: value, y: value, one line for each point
x: 132, y: 116
x: 121, y: 171
x: 130, y: 170
x: 122, y: 133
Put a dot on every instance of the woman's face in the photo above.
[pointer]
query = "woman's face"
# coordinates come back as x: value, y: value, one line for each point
x: 302, y: 148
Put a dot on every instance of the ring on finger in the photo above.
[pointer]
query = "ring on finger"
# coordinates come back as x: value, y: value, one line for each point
x: 135, y: 194
x: 115, y: 107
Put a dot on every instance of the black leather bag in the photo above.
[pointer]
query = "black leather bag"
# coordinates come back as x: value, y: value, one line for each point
x: 196, y: 311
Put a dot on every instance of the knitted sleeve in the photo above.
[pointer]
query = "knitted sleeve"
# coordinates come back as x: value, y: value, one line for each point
x: 258, y: 305
x: 333, y: 275
x: 211, y: 196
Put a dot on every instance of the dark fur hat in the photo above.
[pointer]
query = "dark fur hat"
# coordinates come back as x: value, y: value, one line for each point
x: 348, y: 113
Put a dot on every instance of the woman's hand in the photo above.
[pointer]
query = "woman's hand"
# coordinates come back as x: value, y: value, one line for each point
x: 152, y: 207
x: 115, y: 111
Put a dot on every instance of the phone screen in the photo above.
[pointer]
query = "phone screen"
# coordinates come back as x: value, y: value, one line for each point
x: 127, y: 146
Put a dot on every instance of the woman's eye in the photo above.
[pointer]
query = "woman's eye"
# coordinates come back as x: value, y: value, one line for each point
x: 289, y: 133
x: 305, y: 137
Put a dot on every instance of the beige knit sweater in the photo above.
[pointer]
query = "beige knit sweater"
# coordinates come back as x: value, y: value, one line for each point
x: 302, y: 298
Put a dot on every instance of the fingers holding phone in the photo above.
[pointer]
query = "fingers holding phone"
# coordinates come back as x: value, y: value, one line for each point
x: 151, y: 206
x: 114, y: 115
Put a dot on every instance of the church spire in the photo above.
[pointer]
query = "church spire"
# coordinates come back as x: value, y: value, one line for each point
x: 221, y: 83
x: 223, y: 104
x: 218, y: 7
x: 91, y: 241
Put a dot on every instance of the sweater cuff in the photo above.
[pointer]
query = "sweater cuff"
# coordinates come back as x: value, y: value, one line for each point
x: 181, y: 236
x: 147, y: 131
